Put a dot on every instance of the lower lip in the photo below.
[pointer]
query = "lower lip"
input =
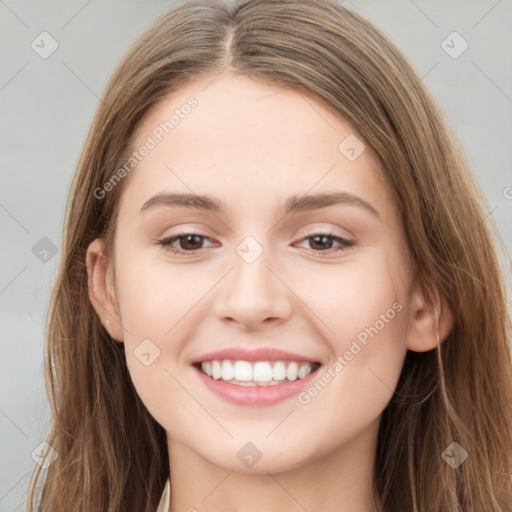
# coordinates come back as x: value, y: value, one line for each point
x: 255, y: 395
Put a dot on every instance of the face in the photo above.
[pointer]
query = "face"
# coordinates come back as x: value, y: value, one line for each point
x: 259, y: 267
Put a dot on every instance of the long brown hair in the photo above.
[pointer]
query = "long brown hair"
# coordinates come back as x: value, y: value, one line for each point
x: 112, y: 455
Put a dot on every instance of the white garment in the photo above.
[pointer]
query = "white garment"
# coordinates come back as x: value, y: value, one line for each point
x: 163, y: 506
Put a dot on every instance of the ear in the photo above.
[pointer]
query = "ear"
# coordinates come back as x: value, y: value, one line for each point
x: 430, y: 322
x: 101, y: 292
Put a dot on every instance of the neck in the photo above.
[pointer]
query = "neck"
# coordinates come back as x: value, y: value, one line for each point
x: 340, y: 481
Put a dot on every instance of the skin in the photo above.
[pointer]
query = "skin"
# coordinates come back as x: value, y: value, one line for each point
x: 252, y: 146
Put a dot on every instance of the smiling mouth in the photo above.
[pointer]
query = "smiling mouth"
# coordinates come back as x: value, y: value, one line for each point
x: 256, y: 374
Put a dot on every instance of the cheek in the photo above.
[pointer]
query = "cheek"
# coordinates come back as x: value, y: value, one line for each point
x: 155, y: 298
x: 350, y: 298
x: 364, y: 322
x: 154, y: 304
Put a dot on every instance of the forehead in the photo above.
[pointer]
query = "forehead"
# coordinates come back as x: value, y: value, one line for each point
x: 249, y: 143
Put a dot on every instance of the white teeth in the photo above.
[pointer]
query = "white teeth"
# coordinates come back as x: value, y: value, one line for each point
x: 261, y: 373
x: 243, y: 371
x: 228, y: 371
x: 216, y: 370
x: 304, y: 371
x: 207, y: 368
x: 291, y: 371
x: 279, y: 371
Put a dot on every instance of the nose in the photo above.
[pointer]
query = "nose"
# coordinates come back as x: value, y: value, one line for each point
x: 253, y: 295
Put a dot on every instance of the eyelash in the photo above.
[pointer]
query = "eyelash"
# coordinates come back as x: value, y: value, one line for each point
x: 166, y: 243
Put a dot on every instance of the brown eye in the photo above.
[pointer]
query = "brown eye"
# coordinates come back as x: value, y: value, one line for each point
x: 321, y: 242
x: 324, y: 242
x: 187, y: 243
x: 190, y: 242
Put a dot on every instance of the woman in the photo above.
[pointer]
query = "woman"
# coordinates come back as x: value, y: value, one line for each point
x: 278, y: 290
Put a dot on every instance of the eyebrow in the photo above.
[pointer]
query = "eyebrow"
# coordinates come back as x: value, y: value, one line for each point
x: 294, y: 204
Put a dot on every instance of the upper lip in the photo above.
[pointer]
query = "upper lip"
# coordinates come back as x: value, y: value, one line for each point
x: 257, y: 354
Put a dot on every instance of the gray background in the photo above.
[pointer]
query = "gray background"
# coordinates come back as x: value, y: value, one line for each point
x: 47, y: 107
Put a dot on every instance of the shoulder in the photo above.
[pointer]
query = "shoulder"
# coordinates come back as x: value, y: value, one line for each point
x: 163, y: 506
